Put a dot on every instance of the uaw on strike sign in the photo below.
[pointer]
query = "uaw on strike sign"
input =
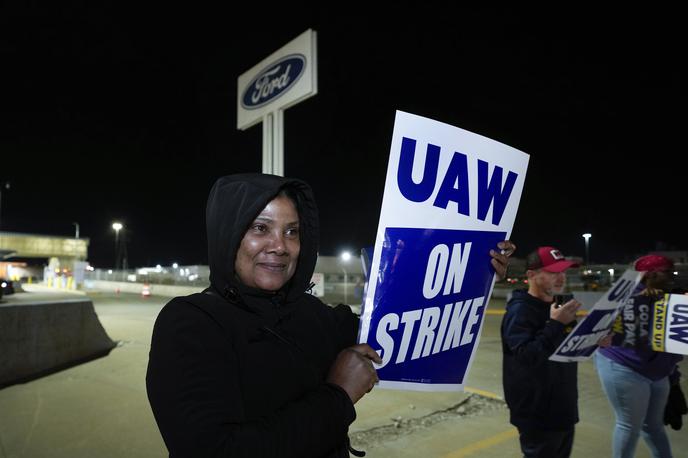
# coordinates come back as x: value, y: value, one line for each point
x: 450, y: 196
x: 581, y: 343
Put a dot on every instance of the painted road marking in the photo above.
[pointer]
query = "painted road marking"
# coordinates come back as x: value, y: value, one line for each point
x: 502, y: 311
x: 487, y: 394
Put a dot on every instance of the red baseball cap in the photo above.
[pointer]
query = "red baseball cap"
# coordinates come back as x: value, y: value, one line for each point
x: 653, y: 263
x: 548, y: 258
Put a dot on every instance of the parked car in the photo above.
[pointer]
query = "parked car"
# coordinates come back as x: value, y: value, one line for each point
x: 7, y: 287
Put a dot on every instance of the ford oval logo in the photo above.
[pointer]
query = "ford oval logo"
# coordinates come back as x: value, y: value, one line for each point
x: 274, y: 81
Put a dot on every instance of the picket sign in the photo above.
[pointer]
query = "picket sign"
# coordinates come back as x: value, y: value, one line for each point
x: 450, y: 196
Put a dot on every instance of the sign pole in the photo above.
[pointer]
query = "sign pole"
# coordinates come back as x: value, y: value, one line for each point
x: 278, y: 142
x: 267, y: 143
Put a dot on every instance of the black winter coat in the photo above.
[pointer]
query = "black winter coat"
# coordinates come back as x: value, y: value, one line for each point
x: 237, y: 372
x: 541, y: 394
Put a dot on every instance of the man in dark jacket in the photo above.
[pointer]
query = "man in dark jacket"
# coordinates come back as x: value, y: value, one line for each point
x: 542, y: 395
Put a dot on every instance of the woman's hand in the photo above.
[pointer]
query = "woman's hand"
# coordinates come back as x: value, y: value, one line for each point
x: 353, y: 370
x: 500, y: 259
x: 605, y: 341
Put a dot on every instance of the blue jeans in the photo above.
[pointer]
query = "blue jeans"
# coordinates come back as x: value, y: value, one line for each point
x: 639, y: 404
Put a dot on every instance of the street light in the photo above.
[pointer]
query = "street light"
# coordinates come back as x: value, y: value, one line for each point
x: 587, y: 236
x: 76, y: 227
x: 117, y: 227
x: 345, y: 257
x: 5, y: 185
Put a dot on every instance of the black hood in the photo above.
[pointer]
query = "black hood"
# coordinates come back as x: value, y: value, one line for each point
x: 233, y: 204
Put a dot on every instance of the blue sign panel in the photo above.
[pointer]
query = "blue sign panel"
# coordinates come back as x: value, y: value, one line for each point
x: 584, y: 343
x: 433, y: 285
x: 274, y: 81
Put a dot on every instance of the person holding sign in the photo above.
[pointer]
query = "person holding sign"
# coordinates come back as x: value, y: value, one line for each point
x: 254, y: 366
x: 635, y: 378
x: 542, y: 395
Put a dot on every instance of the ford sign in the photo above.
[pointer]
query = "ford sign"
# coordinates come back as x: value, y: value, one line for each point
x: 274, y: 81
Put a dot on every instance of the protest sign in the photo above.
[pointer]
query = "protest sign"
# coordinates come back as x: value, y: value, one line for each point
x: 581, y: 343
x: 670, y: 324
x: 450, y: 196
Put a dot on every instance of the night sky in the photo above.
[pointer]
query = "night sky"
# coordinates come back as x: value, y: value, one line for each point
x: 122, y: 113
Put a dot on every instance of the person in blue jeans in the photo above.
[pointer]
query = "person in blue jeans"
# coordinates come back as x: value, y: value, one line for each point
x: 635, y: 378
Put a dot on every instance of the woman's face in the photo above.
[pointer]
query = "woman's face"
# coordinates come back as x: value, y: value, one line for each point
x: 663, y: 280
x: 269, y: 251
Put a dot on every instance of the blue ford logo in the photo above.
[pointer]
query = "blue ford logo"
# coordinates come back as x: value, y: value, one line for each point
x: 274, y: 81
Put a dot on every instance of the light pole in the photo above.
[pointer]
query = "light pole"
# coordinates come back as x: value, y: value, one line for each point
x: 5, y: 185
x: 587, y: 236
x: 117, y: 226
x: 345, y: 257
x: 76, y: 230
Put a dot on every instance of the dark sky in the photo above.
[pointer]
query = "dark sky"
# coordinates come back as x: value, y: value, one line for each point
x: 113, y: 112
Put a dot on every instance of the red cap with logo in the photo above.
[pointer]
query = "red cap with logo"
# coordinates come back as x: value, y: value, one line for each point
x: 550, y: 259
x: 653, y: 263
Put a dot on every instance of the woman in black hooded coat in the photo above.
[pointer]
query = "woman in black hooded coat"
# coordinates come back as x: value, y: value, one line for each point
x: 254, y: 366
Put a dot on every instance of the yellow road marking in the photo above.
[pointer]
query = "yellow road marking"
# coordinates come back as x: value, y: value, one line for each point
x: 483, y: 444
x: 502, y: 311
x: 487, y: 394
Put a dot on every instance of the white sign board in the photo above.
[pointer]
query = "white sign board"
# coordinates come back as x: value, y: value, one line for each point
x: 670, y: 324
x: 581, y: 343
x: 450, y: 196
x: 318, y: 289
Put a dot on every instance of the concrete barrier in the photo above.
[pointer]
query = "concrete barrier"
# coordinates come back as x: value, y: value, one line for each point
x: 137, y: 288
x: 40, y: 338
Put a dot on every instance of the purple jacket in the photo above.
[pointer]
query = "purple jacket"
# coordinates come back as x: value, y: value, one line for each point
x: 631, y: 346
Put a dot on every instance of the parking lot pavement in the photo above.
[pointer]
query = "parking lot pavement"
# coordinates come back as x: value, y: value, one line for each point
x: 100, y: 409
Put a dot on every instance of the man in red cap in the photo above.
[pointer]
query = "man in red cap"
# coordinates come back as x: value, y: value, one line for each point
x: 542, y: 395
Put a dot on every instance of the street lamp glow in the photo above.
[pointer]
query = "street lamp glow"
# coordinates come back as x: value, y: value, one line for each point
x: 117, y: 226
x: 175, y: 265
x: 346, y: 256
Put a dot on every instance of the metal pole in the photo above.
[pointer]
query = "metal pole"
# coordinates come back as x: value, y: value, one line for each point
x: 278, y: 143
x: 76, y: 236
x: 346, y: 282
x: 116, y: 248
x: 587, y: 236
x: 267, y: 143
x: 5, y: 185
